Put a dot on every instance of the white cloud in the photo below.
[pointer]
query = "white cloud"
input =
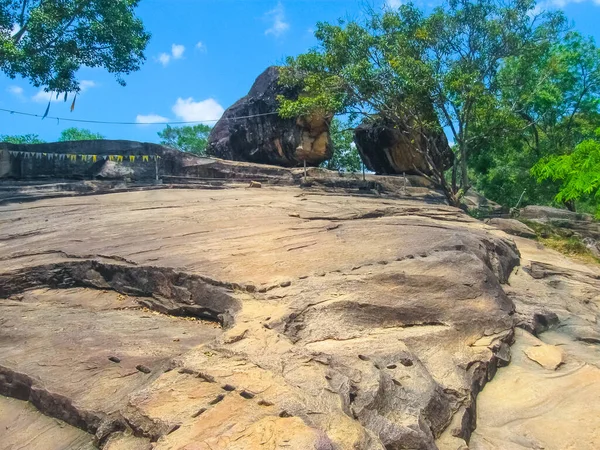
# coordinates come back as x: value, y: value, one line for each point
x: 150, y: 118
x: 15, y: 90
x: 279, y: 26
x: 201, y: 46
x: 203, y: 111
x: 164, y: 59
x: 393, y: 4
x: 177, y: 51
x: 86, y: 84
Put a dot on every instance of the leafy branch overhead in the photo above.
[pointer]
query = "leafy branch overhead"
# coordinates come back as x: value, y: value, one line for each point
x: 578, y: 172
x: 47, y: 41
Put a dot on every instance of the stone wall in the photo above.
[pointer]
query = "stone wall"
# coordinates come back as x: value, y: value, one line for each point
x: 39, y: 161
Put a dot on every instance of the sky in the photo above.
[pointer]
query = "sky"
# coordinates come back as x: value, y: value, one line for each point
x: 203, y: 56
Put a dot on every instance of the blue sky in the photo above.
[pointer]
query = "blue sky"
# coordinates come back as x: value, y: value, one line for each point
x: 203, y: 56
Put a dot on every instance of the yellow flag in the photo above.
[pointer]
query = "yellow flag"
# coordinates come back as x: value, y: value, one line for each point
x: 94, y: 158
x: 131, y: 158
x: 145, y: 158
x: 120, y: 158
x: 84, y: 157
x: 111, y: 157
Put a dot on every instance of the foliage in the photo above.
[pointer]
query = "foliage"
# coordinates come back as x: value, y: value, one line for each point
x: 556, y: 87
x: 345, y: 155
x: 21, y: 139
x: 578, y: 172
x: 47, y: 41
x: 78, y: 134
x: 421, y: 73
x: 191, y: 139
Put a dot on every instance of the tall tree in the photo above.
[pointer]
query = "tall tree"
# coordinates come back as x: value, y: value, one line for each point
x: 555, y: 93
x: 78, y: 134
x: 423, y: 73
x: 191, y: 139
x: 47, y: 41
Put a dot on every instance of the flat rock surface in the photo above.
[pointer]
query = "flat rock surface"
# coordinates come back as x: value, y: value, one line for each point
x: 348, y: 321
x: 24, y: 427
x: 535, y: 402
x: 293, y: 318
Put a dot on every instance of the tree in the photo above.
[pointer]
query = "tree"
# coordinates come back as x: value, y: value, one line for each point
x: 556, y: 90
x: 424, y: 74
x: 578, y: 172
x: 78, y: 134
x: 191, y: 139
x: 345, y: 155
x: 22, y: 139
x: 47, y: 41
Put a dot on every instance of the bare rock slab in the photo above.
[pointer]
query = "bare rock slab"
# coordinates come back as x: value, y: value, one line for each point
x: 548, y: 356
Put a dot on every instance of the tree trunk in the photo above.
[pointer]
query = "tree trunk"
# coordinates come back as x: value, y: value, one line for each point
x: 463, y: 167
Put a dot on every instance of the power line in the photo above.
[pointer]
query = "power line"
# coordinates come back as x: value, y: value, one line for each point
x: 133, y: 123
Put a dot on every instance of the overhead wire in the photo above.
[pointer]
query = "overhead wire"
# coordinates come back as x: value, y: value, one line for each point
x: 66, y: 119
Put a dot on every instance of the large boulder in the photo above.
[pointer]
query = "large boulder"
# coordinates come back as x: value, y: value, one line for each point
x: 266, y: 138
x: 386, y: 149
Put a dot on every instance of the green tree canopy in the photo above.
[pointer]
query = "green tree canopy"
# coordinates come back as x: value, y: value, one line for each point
x: 191, y: 139
x: 22, y: 139
x: 47, y: 41
x: 424, y: 73
x: 578, y: 172
x: 78, y: 134
x: 556, y: 91
x: 345, y: 155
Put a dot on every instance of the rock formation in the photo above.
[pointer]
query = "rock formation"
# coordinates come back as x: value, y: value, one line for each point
x: 386, y: 149
x: 157, y: 319
x: 267, y: 138
x: 566, y: 223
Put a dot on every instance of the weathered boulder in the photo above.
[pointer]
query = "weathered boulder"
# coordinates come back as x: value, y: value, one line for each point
x: 266, y: 138
x: 386, y: 149
x: 567, y: 223
x: 512, y: 226
x: 554, y: 215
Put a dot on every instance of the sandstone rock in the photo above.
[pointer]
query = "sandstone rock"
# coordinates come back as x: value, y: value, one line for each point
x: 527, y: 405
x: 547, y: 356
x: 267, y: 138
x: 512, y: 226
x: 328, y: 320
x: 582, y: 224
x: 388, y: 150
x: 547, y: 213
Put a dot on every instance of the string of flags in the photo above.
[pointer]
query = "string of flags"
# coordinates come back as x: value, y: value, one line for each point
x: 85, y: 158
